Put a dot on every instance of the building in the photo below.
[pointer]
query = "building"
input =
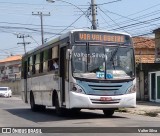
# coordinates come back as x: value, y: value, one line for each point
x: 144, y: 49
x: 145, y: 63
x: 154, y: 76
x: 10, y: 68
x: 157, y: 45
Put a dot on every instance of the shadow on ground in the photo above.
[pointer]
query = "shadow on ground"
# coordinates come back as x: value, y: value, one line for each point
x: 50, y: 115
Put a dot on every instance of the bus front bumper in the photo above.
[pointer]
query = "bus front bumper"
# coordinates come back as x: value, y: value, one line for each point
x: 78, y: 100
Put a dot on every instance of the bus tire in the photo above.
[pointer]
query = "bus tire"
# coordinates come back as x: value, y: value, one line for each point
x: 34, y: 107
x: 59, y: 110
x: 108, y: 112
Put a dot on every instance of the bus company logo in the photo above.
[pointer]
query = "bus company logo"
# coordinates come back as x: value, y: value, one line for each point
x: 6, y: 131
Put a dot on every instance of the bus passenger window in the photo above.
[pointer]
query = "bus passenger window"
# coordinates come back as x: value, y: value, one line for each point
x: 55, y: 64
x: 33, y: 66
x: 54, y: 55
x: 45, y: 61
x: 41, y: 62
x: 37, y: 63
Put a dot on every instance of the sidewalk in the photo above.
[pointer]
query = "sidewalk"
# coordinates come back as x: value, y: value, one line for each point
x: 144, y: 108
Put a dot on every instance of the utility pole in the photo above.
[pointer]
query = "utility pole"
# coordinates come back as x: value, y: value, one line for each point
x: 93, y: 8
x: 41, y: 17
x: 24, y: 43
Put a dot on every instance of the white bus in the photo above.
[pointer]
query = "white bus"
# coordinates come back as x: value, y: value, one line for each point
x: 94, y: 70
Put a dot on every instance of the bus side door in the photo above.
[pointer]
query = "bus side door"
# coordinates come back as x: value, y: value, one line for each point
x: 64, y: 77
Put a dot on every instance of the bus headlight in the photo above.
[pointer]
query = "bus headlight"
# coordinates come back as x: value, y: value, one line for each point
x: 76, y: 88
x: 132, y: 89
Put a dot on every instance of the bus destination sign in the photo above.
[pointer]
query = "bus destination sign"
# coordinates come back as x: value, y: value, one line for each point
x: 99, y: 37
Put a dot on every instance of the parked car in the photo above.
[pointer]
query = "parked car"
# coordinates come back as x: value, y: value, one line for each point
x: 5, y: 92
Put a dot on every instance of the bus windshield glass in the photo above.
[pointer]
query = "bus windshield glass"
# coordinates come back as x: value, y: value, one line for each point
x: 103, y: 62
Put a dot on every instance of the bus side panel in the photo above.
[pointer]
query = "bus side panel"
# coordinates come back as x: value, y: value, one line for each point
x: 42, y: 88
x: 34, y: 84
x: 48, y: 84
x: 28, y: 88
x: 22, y: 90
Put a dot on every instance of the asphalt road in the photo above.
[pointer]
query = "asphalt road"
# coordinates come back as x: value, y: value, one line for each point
x: 15, y: 113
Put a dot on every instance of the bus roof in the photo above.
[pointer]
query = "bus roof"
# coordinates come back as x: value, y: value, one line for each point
x: 67, y: 34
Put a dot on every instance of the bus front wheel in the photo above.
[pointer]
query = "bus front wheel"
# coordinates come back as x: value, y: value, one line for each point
x: 59, y: 111
x: 108, y: 112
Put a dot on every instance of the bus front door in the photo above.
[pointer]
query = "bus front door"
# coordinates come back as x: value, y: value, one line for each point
x: 63, y: 67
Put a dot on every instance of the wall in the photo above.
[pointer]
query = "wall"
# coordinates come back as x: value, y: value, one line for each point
x: 15, y: 86
x: 143, y: 83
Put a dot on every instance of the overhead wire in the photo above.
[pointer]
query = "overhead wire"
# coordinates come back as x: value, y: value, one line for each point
x: 139, y: 23
x: 67, y: 26
x: 138, y: 20
x: 130, y: 19
x: 111, y: 18
x: 140, y: 11
x: 150, y: 24
x: 108, y: 2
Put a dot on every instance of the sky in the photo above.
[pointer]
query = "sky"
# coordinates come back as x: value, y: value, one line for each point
x: 136, y: 17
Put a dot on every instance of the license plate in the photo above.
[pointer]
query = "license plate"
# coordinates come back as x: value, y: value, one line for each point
x: 105, y: 98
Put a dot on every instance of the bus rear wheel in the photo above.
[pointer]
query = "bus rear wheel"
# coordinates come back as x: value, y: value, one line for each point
x: 35, y: 107
x: 108, y: 112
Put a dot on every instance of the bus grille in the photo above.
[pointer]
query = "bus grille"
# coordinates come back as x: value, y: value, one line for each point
x: 105, y: 87
x: 96, y: 101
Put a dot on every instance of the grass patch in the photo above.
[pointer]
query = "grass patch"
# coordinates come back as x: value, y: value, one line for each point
x: 122, y: 110
x: 151, y: 114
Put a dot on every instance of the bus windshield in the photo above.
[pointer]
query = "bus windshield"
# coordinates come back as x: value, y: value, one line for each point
x: 103, y: 62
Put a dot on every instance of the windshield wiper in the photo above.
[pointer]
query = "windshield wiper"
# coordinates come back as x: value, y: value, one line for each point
x: 113, y: 55
x: 88, y: 52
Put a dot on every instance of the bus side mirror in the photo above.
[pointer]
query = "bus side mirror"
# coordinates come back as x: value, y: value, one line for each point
x: 68, y: 54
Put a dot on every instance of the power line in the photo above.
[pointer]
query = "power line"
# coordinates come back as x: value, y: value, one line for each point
x: 14, y: 3
x: 12, y: 48
x: 66, y: 27
x: 127, y: 17
x: 74, y: 6
x: 141, y: 11
x: 105, y: 20
x: 110, y: 18
x: 31, y: 29
x: 135, y: 19
x: 144, y: 9
x: 32, y: 24
x: 108, y: 2
x: 32, y: 4
x: 139, y: 23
